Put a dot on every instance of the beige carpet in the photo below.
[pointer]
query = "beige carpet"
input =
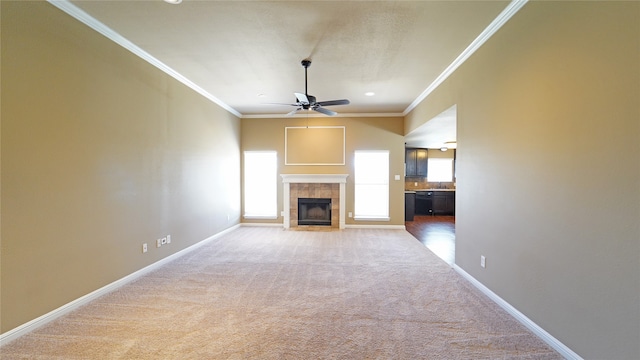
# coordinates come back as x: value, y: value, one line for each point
x: 268, y: 293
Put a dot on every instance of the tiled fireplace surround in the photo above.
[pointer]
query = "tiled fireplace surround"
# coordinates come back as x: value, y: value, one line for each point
x: 314, y: 186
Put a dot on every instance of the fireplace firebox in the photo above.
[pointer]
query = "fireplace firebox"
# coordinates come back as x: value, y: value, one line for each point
x: 314, y: 211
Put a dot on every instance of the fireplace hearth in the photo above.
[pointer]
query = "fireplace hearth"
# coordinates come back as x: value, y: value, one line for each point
x: 316, y: 211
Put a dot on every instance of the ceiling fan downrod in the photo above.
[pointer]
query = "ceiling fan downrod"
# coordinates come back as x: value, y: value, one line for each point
x: 306, y: 63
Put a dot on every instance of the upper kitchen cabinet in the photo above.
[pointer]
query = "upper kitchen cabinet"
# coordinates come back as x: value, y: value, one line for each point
x: 416, y: 162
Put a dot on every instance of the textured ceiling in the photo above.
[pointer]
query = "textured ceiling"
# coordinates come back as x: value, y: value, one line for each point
x: 436, y: 132
x: 235, y: 50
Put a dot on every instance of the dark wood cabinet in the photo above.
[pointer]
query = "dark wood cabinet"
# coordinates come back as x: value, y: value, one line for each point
x: 435, y: 203
x: 444, y: 202
x: 450, y: 208
x: 415, y: 162
x: 439, y: 203
x: 409, y: 206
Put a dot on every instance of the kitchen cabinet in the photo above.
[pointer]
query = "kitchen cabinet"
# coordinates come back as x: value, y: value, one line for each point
x: 409, y: 206
x: 415, y: 162
x: 435, y: 202
x: 444, y: 203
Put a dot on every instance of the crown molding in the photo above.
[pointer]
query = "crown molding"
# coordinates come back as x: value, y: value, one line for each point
x: 103, y: 29
x: 80, y: 15
x: 340, y: 115
x: 506, y: 14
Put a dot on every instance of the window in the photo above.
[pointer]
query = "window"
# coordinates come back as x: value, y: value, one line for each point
x: 439, y: 170
x: 371, y: 170
x: 260, y: 184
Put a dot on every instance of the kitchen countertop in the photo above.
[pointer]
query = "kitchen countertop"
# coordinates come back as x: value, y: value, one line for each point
x: 414, y: 190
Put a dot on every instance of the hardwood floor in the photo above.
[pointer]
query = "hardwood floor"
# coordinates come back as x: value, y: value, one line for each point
x: 437, y: 233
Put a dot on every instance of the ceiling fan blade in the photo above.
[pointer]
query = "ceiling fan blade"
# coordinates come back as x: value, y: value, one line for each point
x: 302, y: 98
x: 287, y: 104
x: 324, y: 111
x: 334, y: 102
x: 293, y: 112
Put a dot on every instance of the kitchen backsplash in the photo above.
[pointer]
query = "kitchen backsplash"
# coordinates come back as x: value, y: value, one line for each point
x: 422, y: 183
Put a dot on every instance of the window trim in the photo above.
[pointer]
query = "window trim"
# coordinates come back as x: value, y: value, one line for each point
x: 386, y: 217
x: 275, y: 183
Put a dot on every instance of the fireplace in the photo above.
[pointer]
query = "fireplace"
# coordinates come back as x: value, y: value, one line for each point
x: 316, y: 211
x: 314, y: 186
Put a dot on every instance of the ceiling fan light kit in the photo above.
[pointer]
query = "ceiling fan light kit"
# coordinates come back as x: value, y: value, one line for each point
x: 308, y: 102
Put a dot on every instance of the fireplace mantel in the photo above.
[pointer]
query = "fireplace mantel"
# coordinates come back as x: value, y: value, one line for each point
x: 288, y: 179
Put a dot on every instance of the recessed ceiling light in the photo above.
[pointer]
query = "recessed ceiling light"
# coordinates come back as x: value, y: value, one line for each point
x: 370, y: 93
x: 174, y: 2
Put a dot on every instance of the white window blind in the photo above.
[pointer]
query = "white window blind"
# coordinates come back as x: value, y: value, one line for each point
x: 260, y: 184
x: 371, y: 176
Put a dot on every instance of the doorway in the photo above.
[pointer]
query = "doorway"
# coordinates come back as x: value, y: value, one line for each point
x: 438, y: 136
x: 437, y: 233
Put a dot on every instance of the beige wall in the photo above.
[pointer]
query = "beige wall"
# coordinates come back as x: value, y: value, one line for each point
x: 360, y: 133
x: 100, y: 153
x: 548, y: 172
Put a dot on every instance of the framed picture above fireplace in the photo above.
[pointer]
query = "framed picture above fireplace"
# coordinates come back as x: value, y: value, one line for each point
x: 314, y: 145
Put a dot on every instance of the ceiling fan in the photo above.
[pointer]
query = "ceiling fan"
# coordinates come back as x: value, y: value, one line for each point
x: 308, y: 102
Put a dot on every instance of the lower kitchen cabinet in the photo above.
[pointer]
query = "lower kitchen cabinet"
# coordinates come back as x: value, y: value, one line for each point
x: 409, y: 206
x: 435, y: 203
x: 444, y: 202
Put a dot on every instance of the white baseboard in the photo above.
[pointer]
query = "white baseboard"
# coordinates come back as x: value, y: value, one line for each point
x: 386, y: 227
x: 244, y: 224
x: 540, y: 332
x: 348, y: 226
x: 75, y: 304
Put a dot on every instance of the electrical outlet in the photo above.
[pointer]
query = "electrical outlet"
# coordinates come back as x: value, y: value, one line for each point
x: 159, y: 243
x: 164, y: 241
x: 350, y: 214
x: 168, y: 239
x: 483, y: 261
x: 144, y: 248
